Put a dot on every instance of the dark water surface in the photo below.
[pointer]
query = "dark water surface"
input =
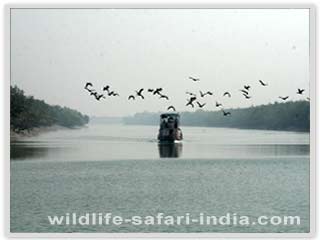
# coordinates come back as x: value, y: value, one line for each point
x: 122, y: 169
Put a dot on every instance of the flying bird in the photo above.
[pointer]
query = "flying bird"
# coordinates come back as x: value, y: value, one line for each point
x: 263, y: 83
x: 194, y: 79
x: 300, y: 91
x: 218, y: 104
x: 139, y: 93
x: 190, y: 103
x: 88, y: 84
x: 98, y: 97
x: 225, y: 113
x: 192, y: 99
x: 171, y: 107
x: 206, y: 93
x: 284, y: 98
x: 157, y: 91
x: 202, y: 94
x: 227, y: 94
x: 106, y: 88
x: 112, y: 93
x: 246, y: 96
x: 244, y: 91
x: 150, y: 90
x: 164, y: 96
x: 131, y: 97
x: 201, y: 105
x: 246, y: 87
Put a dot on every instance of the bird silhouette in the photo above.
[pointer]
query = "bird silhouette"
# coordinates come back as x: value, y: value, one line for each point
x: 246, y: 96
x: 98, y: 97
x: 284, y: 98
x: 106, y: 88
x: 218, y: 104
x: 190, y: 103
x: 93, y: 93
x: 150, y: 90
x: 300, y: 91
x: 87, y: 85
x: 246, y: 87
x: 225, y: 113
x: 112, y: 93
x: 192, y: 99
x: 131, y: 97
x: 171, y: 107
x: 202, y: 94
x: 194, y: 79
x: 139, y: 93
x: 227, y: 94
x: 157, y: 91
x: 263, y: 83
x: 201, y: 105
x: 244, y: 91
x: 164, y: 96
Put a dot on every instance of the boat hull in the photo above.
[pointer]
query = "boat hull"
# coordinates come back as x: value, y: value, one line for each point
x: 170, y: 135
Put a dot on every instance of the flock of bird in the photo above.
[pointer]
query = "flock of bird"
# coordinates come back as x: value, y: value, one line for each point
x: 192, y: 101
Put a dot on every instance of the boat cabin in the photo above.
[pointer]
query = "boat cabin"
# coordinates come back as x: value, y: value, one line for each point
x: 170, y: 127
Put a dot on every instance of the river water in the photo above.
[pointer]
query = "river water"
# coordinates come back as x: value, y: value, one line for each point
x: 122, y: 170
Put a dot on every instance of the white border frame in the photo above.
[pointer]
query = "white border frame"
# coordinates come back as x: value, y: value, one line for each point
x: 312, y: 83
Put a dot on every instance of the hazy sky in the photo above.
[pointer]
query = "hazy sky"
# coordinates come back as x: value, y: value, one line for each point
x: 55, y: 51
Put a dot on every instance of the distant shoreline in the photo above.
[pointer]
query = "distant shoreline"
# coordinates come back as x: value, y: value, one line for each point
x: 182, y: 126
x: 240, y: 128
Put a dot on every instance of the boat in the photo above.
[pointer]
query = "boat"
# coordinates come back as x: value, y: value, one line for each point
x: 169, y: 131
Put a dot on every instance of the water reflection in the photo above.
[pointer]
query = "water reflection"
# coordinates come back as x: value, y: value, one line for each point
x: 20, y: 152
x: 170, y: 150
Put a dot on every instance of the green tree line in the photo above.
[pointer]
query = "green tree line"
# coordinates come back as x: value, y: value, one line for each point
x: 288, y: 116
x: 26, y: 113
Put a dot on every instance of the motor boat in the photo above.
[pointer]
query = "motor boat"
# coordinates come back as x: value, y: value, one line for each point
x: 169, y: 131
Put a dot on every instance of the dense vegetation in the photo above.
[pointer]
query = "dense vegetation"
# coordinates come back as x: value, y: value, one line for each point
x: 293, y: 116
x: 27, y: 113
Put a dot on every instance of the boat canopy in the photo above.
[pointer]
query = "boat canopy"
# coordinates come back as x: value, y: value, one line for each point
x: 167, y: 115
x: 169, y: 120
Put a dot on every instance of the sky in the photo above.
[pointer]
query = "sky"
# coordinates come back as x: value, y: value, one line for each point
x: 54, y: 52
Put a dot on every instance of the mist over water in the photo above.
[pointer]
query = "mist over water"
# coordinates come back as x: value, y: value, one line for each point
x: 100, y: 142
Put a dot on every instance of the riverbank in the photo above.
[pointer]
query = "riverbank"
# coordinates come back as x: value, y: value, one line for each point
x: 27, y: 112
x: 18, y: 135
